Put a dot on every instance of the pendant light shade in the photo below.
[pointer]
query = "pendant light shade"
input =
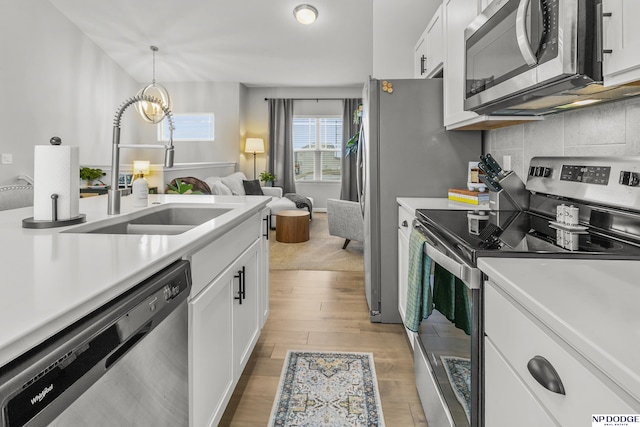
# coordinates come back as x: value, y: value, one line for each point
x: 150, y: 112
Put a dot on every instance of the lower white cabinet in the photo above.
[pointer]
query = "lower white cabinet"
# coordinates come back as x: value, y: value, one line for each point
x: 211, y: 371
x: 226, y: 313
x: 521, y: 355
x: 405, y: 219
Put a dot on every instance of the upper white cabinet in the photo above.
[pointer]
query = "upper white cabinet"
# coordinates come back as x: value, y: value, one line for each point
x: 435, y: 44
x: 429, y: 50
x: 420, y: 57
x: 622, y: 64
x: 456, y: 16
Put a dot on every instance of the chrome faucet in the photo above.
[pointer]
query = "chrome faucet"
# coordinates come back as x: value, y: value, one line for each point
x: 114, y: 193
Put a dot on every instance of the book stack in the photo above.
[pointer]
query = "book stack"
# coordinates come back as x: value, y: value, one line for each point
x: 466, y: 196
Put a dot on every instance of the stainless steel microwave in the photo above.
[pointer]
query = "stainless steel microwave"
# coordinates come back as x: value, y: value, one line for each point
x: 519, y: 52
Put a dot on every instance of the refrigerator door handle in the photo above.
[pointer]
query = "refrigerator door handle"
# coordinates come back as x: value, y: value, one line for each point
x: 360, y: 170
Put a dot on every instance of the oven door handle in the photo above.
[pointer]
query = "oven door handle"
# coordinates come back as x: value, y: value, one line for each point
x: 443, y: 254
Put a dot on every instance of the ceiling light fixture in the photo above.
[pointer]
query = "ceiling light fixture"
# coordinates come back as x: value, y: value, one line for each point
x: 305, y: 14
x: 151, y: 112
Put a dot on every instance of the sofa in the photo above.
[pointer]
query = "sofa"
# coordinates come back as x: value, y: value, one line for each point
x: 237, y: 184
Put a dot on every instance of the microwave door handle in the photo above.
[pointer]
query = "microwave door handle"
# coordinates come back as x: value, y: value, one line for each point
x: 522, y: 35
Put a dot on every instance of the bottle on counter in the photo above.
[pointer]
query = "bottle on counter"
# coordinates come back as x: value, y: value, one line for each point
x: 140, y: 191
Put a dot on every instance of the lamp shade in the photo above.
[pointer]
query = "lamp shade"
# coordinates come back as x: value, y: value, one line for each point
x: 141, y: 166
x: 254, y: 145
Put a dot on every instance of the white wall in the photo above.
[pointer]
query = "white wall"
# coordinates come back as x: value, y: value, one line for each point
x: 256, y: 125
x: 397, y: 25
x: 55, y: 82
x: 607, y: 130
x: 221, y: 99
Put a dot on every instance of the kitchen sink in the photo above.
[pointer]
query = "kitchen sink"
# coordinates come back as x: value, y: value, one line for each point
x: 165, y: 219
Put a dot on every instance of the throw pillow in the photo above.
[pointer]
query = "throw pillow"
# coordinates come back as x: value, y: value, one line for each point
x: 252, y: 188
x: 234, y: 182
x: 222, y: 190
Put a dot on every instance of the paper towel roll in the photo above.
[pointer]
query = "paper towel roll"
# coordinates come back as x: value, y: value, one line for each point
x: 56, y: 171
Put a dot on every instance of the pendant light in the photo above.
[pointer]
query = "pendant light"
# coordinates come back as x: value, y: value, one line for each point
x: 152, y: 113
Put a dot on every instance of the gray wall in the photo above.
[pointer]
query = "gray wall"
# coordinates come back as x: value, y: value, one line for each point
x: 54, y: 82
x: 607, y: 130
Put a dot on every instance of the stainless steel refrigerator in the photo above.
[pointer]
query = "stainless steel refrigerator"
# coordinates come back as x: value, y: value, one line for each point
x: 404, y: 151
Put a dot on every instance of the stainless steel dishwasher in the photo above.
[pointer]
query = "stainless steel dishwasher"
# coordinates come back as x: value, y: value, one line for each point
x: 123, y: 365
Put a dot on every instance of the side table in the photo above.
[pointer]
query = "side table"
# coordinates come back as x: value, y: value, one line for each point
x: 292, y: 226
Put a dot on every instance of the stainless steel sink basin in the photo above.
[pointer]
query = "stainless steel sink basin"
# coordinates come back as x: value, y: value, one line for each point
x: 165, y: 219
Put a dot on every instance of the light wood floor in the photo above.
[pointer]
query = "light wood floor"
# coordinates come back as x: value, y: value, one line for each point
x: 324, y: 310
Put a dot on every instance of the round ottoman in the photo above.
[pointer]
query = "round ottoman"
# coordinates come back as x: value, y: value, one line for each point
x: 293, y: 226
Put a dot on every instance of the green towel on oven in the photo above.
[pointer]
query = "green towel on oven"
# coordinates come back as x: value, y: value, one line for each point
x: 419, y: 298
x: 451, y: 298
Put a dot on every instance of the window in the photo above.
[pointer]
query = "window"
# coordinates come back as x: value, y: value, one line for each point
x: 317, y: 148
x: 188, y: 127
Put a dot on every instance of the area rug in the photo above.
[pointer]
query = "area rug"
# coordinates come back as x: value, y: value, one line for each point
x: 459, y: 374
x: 320, y: 389
x: 321, y: 252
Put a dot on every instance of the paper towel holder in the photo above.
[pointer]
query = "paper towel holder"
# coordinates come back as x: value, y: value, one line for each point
x: 55, y: 222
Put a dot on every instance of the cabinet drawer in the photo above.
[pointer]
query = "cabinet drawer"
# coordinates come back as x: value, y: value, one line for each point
x: 519, y: 338
x: 209, y: 261
x: 405, y: 218
x: 507, y: 400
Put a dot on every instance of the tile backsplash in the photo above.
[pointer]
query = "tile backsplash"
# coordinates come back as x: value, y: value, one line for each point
x: 611, y: 129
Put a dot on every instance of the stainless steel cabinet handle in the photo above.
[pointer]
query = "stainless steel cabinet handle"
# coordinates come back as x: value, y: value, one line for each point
x: 544, y: 372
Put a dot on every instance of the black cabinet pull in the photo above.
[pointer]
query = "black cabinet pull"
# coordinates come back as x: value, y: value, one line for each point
x: 544, y: 372
x: 423, y: 61
x: 244, y: 281
x: 266, y: 226
x: 238, y: 276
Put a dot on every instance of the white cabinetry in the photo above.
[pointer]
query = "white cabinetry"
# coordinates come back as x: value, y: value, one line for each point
x: 405, y: 218
x: 226, y: 310
x: 514, y: 337
x: 622, y: 65
x: 457, y: 15
x: 435, y: 44
x: 264, y: 267
x: 420, y: 57
x: 429, y: 54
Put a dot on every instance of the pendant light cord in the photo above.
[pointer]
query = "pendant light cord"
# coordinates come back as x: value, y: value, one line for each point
x: 154, y: 49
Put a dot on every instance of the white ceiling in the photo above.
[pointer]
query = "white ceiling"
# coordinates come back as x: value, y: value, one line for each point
x: 256, y: 42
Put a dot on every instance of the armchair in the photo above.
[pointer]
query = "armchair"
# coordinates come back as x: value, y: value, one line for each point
x: 345, y: 220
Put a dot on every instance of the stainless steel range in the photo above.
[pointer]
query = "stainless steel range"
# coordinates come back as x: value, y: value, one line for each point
x: 570, y: 207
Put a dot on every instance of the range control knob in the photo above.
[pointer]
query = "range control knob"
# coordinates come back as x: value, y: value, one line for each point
x: 631, y: 179
x: 546, y: 172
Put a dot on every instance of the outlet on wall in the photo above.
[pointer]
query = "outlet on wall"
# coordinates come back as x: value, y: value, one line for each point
x: 506, y: 163
x: 7, y: 158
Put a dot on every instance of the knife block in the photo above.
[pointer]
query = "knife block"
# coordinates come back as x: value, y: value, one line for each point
x: 512, y: 196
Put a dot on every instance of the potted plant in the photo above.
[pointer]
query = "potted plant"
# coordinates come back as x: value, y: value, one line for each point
x: 88, y: 175
x: 267, y: 177
x: 181, y: 188
x: 351, y: 147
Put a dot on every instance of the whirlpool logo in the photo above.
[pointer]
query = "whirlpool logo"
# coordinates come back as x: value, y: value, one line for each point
x: 615, y: 420
x: 40, y: 396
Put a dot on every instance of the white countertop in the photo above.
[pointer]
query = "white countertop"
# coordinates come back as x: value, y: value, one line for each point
x: 51, y: 279
x: 591, y: 304
x: 413, y: 203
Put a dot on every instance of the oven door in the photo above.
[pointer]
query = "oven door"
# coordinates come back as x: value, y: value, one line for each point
x: 514, y: 46
x: 447, y: 360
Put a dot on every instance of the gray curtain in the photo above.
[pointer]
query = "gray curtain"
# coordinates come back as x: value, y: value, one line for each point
x: 349, y: 189
x: 281, y: 143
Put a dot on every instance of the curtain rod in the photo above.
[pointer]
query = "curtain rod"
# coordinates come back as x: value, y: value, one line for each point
x: 311, y: 99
